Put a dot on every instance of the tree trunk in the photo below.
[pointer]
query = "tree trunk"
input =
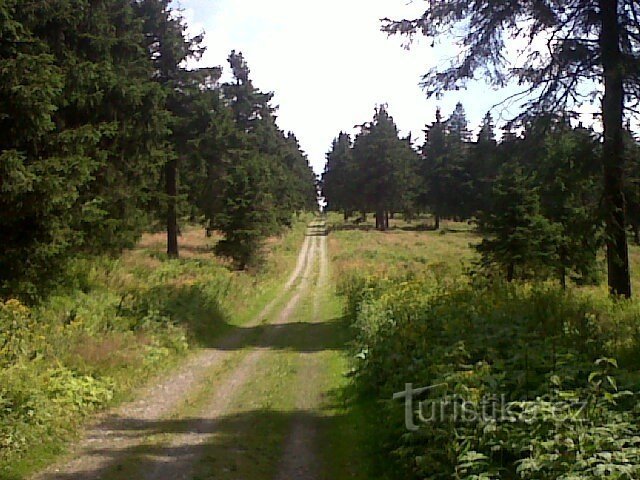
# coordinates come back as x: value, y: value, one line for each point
x: 510, y: 272
x: 437, y: 221
x: 613, y: 150
x: 346, y: 215
x: 636, y: 233
x: 171, y: 189
x: 380, y: 217
x: 386, y: 220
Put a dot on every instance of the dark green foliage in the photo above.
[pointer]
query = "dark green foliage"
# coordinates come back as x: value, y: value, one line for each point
x: 632, y: 184
x: 81, y: 121
x: 567, y: 171
x: 255, y: 177
x: 337, y: 179
x: 592, y: 42
x: 483, y: 165
x: 518, y: 237
x: 522, y: 361
x: 549, y: 183
x: 376, y: 174
x: 447, y: 174
x: 384, y: 164
x: 247, y: 213
x: 103, y: 129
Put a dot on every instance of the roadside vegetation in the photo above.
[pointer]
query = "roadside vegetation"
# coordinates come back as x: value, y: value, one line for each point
x: 110, y: 326
x: 109, y: 130
x: 564, y: 362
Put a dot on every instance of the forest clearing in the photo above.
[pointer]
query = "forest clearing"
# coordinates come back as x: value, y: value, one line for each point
x: 435, y: 277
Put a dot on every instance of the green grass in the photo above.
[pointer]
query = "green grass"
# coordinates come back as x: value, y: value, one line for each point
x: 113, y: 325
x: 417, y: 318
x: 360, y: 248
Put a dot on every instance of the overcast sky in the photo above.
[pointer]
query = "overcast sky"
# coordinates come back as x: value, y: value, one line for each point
x: 329, y: 65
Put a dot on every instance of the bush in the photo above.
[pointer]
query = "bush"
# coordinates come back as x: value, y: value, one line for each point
x: 531, y: 348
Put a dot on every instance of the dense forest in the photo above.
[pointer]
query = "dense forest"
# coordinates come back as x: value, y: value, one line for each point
x: 106, y: 131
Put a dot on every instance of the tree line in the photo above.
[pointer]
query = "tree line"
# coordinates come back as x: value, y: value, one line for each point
x: 577, y: 53
x: 535, y: 195
x: 105, y: 132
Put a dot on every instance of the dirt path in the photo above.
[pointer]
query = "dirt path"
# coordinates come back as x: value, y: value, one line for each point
x: 299, y: 459
x: 168, y: 433
x: 117, y: 433
x: 177, y: 460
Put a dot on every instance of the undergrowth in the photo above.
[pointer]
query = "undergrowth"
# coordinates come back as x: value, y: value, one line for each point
x: 562, y: 364
x: 110, y: 325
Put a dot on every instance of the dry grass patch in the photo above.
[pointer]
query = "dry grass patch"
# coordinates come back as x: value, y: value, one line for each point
x: 109, y: 351
x: 364, y: 250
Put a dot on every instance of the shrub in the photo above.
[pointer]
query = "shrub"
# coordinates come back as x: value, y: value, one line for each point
x: 533, y: 347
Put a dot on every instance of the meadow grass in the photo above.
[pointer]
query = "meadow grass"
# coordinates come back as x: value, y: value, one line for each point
x: 415, y: 247
x: 404, y: 247
x: 417, y: 317
x: 112, y: 325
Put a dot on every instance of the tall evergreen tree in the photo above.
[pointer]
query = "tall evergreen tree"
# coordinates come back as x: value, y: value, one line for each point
x: 170, y: 47
x: 82, y: 120
x: 483, y: 165
x: 446, y: 170
x: 591, y: 41
x: 517, y: 237
x: 338, y: 181
x: 567, y: 171
x: 434, y: 150
x: 384, y: 162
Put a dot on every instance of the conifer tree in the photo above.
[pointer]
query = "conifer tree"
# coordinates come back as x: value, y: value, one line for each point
x: 517, y: 237
x: 567, y: 173
x: 338, y: 181
x: 385, y: 163
x: 583, y: 42
x: 483, y: 165
x: 169, y: 47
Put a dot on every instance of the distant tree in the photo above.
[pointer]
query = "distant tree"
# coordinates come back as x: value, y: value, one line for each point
x: 445, y: 168
x: 567, y: 173
x: 247, y: 211
x: 585, y: 41
x: 384, y: 164
x: 262, y: 175
x: 517, y: 237
x: 483, y: 165
x: 433, y: 189
x: 338, y: 180
x: 458, y: 126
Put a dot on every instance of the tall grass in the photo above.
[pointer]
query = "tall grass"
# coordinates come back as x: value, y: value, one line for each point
x: 420, y: 315
x: 110, y: 325
x: 534, y: 346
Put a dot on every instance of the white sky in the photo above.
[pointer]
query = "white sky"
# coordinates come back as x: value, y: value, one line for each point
x: 329, y: 65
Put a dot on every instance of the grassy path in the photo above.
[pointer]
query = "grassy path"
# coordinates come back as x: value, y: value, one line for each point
x: 256, y: 405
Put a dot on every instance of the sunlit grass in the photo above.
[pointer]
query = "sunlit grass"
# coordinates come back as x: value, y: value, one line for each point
x: 361, y: 248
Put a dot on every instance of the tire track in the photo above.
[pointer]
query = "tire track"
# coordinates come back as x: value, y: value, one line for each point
x: 299, y: 459
x: 178, y: 458
x: 116, y: 433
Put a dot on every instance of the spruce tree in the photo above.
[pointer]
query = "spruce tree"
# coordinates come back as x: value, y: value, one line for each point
x: 385, y: 164
x: 567, y: 172
x: 338, y: 180
x: 518, y: 239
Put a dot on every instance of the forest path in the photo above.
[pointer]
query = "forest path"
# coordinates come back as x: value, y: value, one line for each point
x: 247, y: 408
